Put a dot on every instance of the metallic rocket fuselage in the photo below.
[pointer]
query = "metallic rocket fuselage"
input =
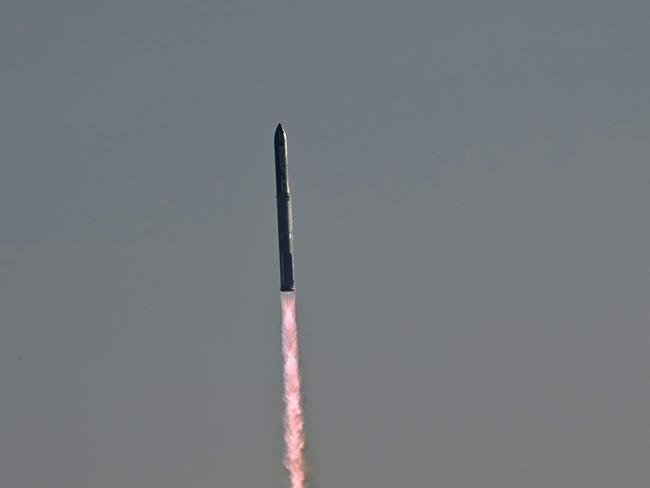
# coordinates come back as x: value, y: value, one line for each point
x: 285, y: 224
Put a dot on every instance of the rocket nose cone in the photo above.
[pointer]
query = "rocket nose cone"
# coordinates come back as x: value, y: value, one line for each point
x: 280, y: 136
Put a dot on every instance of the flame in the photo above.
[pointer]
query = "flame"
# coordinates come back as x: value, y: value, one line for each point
x: 293, y: 419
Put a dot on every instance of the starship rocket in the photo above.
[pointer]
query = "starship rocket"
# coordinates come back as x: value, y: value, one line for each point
x: 285, y: 224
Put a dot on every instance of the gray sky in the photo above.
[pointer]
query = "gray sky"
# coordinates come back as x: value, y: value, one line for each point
x: 471, y: 210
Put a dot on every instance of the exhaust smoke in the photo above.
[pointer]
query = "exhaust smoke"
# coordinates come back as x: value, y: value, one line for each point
x: 293, y: 420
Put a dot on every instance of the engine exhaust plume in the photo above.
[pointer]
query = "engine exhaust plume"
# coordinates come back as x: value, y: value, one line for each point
x: 293, y: 419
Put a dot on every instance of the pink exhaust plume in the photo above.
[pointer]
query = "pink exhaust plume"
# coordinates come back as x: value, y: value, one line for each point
x: 293, y: 422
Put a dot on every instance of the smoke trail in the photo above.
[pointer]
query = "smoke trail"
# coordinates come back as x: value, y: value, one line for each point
x: 293, y: 422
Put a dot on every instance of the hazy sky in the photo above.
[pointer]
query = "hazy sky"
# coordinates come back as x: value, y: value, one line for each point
x: 471, y: 200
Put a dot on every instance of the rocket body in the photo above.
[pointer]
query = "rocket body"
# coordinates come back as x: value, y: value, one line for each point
x: 285, y: 224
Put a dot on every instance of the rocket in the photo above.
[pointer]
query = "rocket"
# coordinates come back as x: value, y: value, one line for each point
x: 285, y: 224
